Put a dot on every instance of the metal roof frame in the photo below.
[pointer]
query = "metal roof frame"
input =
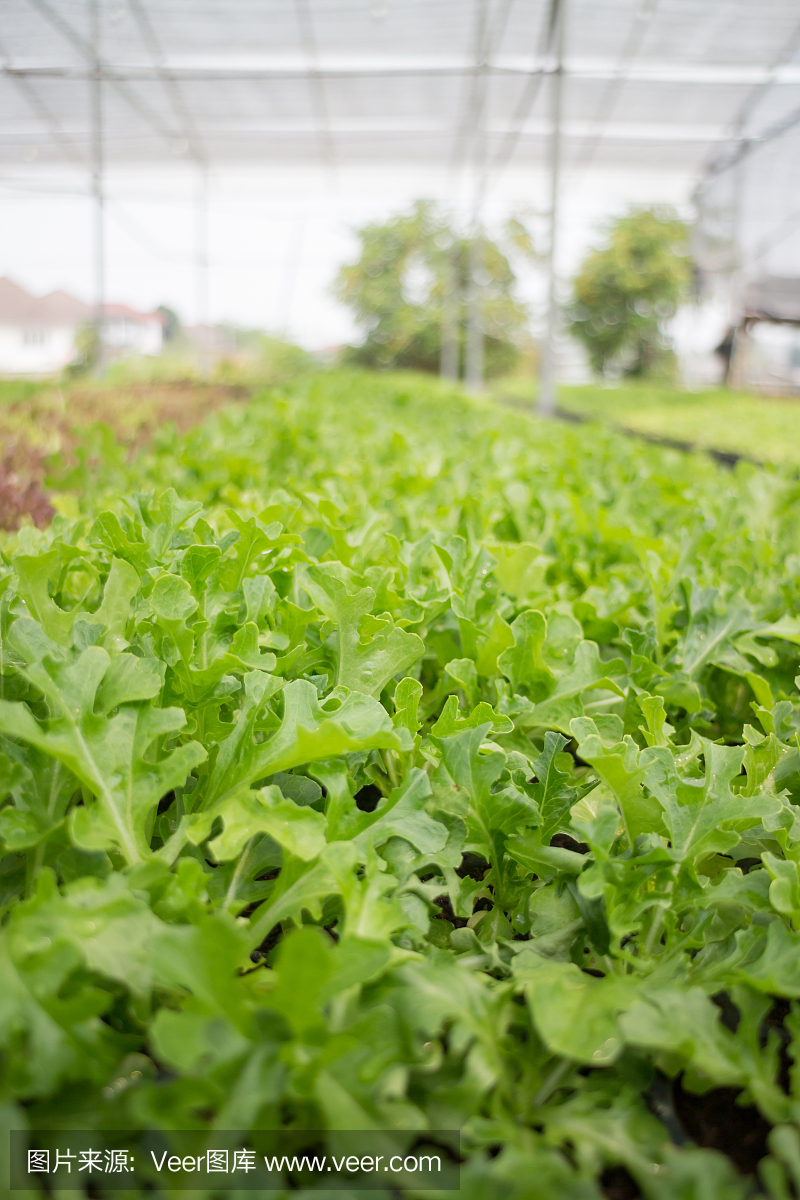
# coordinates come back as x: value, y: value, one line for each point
x: 402, y: 82
x: 472, y: 86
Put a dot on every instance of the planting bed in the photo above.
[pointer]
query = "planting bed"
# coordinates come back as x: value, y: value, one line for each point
x: 44, y: 426
x: 733, y: 424
x: 374, y: 759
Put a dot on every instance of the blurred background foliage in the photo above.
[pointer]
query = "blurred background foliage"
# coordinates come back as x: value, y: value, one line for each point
x: 412, y: 277
x: 627, y: 289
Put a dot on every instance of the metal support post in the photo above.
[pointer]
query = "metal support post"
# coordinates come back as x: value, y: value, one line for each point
x: 475, y: 348
x: 201, y: 265
x: 547, y: 373
x: 450, y: 352
x: 734, y: 371
x: 98, y: 193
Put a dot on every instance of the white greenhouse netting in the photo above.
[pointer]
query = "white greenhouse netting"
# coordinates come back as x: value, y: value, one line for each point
x: 465, y: 87
x: 648, y: 82
x: 747, y: 246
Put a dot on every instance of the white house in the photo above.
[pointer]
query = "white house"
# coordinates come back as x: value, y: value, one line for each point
x: 38, y: 335
x: 126, y: 331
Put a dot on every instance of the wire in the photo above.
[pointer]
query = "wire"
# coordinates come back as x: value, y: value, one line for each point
x: 45, y: 9
x: 641, y: 21
x: 168, y: 80
x: 41, y: 110
x: 470, y: 143
x: 315, y: 83
x: 528, y: 97
x: 745, y: 146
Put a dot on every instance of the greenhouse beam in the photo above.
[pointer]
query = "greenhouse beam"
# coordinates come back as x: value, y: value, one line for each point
x: 547, y: 380
x: 98, y: 191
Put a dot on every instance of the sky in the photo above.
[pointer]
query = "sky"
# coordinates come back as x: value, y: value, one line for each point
x: 277, y: 235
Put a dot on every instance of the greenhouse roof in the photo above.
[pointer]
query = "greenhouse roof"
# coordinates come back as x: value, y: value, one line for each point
x: 648, y: 83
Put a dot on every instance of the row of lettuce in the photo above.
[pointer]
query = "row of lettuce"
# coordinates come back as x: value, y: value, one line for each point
x: 372, y: 759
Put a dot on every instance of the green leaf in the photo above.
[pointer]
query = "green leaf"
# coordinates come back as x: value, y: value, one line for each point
x: 303, y: 887
x: 109, y: 755
x: 308, y: 731
x: 784, y: 891
x: 574, y: 667
x: 304, y: 963
x: 407, y: 696
x: 524, y: 665
x: 40, y: 788
x: 114, y: 612
x: 575, y: 1014
x: 685, y: 1023
x: 705, y: 816
x: 553, y: 792
x: 777, y: 969
x: 245, y: 813
x: 34, y: 574
x: 104, y: 922
x: 401, y: 814
x: 128, y: 679
x: 710, y: 632
x: 107, y: 534
x: 364, y: 664
x: 787, y: 775
x: 172, y: 599
x: 622, y: 768
x: 57, y: 1040
x: 483, y: 714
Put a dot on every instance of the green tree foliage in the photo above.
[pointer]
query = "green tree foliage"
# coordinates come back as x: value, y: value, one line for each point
x: 172, y: 322
x: 626, y: 290
x: 415, y: 265
x: 87, y: 348
x: 262, y: 357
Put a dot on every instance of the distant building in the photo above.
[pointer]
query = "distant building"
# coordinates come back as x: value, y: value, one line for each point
x: 766, y: 344
x: 126, y: 331
x: 39, y: 335
x: 212, y: 341
x: 743, y: 333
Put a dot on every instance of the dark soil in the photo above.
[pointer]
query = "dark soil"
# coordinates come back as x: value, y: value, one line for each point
x: 716, y: 1122
x: 269, y: 943
x: 713, y: 1121
x: 565, y: 842
x: 472, y: 866
x: 617, y: 1184
x: 368, y: 797
x: 446, y: 909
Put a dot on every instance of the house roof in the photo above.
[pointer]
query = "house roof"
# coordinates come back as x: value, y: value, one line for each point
x: 18, y: 307
x: 14, y: 301
x: 773, y: 298
x: 124, y: 313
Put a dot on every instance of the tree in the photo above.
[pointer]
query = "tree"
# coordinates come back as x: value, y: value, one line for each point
x: 628, y: 288
x: 412, y: 275
x: 87, y: 350
x: 172, y: 322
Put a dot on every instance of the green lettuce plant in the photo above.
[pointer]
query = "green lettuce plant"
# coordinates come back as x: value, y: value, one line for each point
x: 389, y: 764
